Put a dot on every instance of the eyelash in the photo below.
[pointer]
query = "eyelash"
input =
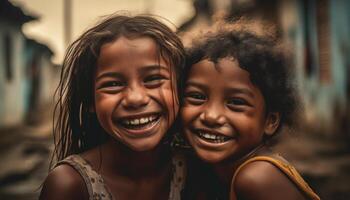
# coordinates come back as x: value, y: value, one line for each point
x: 237, y: 102
x: 195, y: 95
x: 112, y: 84
x: 198, y: 98
x: 154, y: 78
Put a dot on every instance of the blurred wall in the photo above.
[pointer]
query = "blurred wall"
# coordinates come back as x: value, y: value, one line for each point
x: 319, y: 33
x: 27, y: 75
x: 12, y: 96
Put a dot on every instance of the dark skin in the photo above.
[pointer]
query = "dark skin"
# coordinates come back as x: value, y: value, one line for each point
x: 150, y: 177
x: 64, y: 183
x: 225, y: 121
x: 259, y: 180
x: 148, y: 172
x: 138, y: 92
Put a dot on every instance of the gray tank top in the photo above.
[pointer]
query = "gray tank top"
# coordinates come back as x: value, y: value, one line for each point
x: 98, y: 190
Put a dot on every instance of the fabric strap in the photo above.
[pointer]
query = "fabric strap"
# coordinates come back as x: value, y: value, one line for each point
x: 287, y: 169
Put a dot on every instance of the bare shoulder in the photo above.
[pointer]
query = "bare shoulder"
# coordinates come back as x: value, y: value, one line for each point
x: 63, y: 182
x: 263, y: 180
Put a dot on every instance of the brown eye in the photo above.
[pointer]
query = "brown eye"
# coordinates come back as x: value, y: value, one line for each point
x: 112, y: 84
x: 237, y: 101
x: 154, y: 80
x: 196, y: 96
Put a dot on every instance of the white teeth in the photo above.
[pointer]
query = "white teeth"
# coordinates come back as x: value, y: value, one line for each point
x: 214, y: 138
x: 143, y: 120
x: 206, y: 135
x: 140, y: 121
x: 134, y: 122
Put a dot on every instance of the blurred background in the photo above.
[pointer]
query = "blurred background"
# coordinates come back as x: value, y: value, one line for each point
x: 35, y: 33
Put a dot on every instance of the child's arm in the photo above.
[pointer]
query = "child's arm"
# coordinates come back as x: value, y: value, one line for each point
x: 262, y: 180
x: 63, y: 183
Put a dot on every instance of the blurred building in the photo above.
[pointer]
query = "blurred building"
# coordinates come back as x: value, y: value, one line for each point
x: 41, y: 78
x: 317, y: 32
x: 26, y: 71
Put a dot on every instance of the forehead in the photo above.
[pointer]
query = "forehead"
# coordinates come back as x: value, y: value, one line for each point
x: 224, y: 71
x: 123, y: 46
x: 127, y: 53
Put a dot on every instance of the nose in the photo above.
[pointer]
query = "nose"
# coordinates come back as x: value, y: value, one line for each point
x: 213, y: 116
x: 135, y: 97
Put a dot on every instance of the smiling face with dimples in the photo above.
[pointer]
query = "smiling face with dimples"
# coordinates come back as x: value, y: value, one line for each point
x: 135, y: 98
x: 224, y: 114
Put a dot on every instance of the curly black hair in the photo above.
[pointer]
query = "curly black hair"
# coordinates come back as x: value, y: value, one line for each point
x: 262, y: 57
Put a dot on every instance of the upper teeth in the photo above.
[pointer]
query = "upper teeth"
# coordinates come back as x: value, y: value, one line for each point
x: 211, y: 136
x: 142, y: 120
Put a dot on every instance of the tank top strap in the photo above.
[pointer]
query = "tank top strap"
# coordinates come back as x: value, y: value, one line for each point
x: 94, y: 182
x: 287, y: 169
x: 179, y: 177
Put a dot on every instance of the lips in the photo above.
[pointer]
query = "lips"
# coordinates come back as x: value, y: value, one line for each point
x: 139, y: 122
x: 142, y: 125
x: 211, y: 136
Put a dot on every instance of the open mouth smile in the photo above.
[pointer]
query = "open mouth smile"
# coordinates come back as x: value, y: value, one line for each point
x: 211, y: 136
x: 139, y: 123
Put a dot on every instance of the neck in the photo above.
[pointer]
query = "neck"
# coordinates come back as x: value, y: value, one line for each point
x: 134, y: 163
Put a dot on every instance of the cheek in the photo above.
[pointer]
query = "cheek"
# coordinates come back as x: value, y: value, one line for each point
x: 167, y: 96
x: 250, y: 126
x: 105, y: 103
x: 188, y: 115
x: 172, y: 103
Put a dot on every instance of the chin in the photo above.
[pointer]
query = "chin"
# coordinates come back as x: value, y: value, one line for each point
x: 146, y: 145
x: 210, y: 157
x: 142, y: 148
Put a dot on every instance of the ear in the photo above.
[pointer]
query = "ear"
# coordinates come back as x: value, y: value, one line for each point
x: 272, y: 123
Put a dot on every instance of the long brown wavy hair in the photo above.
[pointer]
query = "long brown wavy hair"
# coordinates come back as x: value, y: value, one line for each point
x: 75, y: 128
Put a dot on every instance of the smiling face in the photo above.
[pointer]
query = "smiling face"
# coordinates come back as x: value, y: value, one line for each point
x: 134, y: 95
x: 224, y: 113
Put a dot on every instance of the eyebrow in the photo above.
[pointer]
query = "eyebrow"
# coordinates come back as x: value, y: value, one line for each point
x: 154, y: 67
x: 109, y: 74
x: 239, y: 90
x: 191, y: 83
x: 143, y: 69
